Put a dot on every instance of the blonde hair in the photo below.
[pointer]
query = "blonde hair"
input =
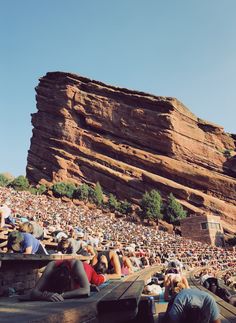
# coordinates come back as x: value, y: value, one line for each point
x: 26, y: 227
x: 178, y: 287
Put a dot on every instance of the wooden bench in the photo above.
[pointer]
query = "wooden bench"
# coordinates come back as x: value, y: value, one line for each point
x: 121, y: 304
x: 3, y: 236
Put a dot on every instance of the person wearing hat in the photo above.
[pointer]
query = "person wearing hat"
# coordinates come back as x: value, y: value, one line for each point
x: 22, y: 242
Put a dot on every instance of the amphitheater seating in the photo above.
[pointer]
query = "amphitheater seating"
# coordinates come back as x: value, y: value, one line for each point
x: 75, y: 310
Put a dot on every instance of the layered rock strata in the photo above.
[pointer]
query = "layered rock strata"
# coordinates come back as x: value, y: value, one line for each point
x: 131, y: 142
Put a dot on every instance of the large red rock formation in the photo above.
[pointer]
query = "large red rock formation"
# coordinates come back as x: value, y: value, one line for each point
x: 131, y: 142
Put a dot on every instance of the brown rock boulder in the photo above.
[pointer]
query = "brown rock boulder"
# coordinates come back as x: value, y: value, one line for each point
x: 131, y: 142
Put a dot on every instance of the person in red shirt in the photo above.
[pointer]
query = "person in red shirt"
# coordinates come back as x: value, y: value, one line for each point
x: 66, y: 279
x: 93, y: 277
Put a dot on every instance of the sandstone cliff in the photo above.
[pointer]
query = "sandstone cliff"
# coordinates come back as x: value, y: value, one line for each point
x: 131, y: 142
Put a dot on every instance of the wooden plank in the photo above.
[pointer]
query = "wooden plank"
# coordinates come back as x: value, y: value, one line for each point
x: 135, y: 289
x: 117, y: 292
x: 124, y: 297
x: 8, y: 257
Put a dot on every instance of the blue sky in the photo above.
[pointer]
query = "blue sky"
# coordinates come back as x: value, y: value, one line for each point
x: 180, y: 48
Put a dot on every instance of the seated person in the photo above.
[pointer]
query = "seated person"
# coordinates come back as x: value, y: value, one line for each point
x: 73, y: 246
x: 32, y: 227
x: 191, y: 305
x: 135, y: 261
x: 223, y: 293
x: 206, y: 274
x: 2, y: 220
x: 232, y: 300
x: 107, y: 262
x: 144, y: 262
x: 58, y: 235
x: 152, y: 290
x: 175, y: 263
x: 61, y: 280
x: 5, y: 216
x: 69, y: 246
x: 173, y: 273
x: 93, y: 277
x: 211, y: 284
x: 26, y: 243
x: 126, y: 265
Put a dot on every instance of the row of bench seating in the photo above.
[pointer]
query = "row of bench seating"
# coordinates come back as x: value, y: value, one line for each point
x: 117, y: 302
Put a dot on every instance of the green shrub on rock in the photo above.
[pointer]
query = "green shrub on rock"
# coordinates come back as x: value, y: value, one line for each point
x: 20, y: 183
x: 151, y: 205
x: 4, y: 180
x: 82, y: 192
x: 125, y: 207
x: 41, y: 189
x: 96, y: 194
x: 37, y: 190
x: 32, y: 190
x: 63, y: 189
x: 174, y: 210
x: 113, y: 203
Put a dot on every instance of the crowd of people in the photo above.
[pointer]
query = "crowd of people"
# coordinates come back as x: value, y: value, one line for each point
x: 117, y: 246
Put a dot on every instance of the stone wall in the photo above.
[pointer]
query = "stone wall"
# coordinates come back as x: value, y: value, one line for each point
x: 207, y: 229
x: 17, y: 280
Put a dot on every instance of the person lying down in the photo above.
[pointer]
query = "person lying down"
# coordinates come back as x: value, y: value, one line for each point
x: 65, y: 279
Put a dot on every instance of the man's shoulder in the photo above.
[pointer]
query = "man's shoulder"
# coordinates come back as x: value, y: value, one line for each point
x: 189, y: 292
x: 197, y: 296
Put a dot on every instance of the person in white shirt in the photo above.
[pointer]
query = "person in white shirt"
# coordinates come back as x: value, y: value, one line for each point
x: 5, y: 215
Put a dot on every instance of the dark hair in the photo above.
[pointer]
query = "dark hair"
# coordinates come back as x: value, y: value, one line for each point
x: 144, y: 261
x: 100, y: 267
x: 171, y: 271
x: 60, y: 280
x: 172, y: 264
x: 64, y: 246
x: 83, y: 252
